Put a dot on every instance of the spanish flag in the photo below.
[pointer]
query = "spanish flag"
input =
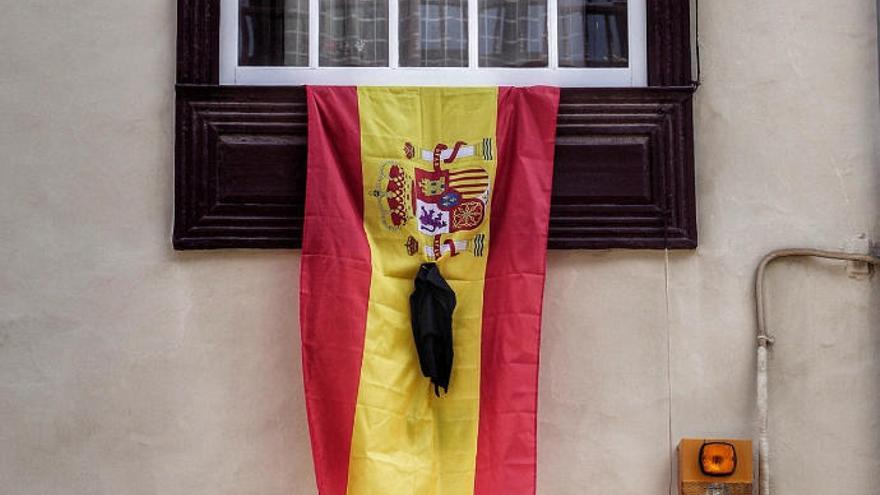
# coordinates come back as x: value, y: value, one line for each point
x: 424, y: 252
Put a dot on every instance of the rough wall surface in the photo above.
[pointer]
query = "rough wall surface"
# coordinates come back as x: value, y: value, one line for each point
x: 126, y: 368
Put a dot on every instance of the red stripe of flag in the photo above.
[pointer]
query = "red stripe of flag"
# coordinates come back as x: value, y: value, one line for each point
x: 506, y: 445
x: 335, y: 281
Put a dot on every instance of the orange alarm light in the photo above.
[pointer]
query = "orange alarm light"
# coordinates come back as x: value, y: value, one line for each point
x: 717, y: 459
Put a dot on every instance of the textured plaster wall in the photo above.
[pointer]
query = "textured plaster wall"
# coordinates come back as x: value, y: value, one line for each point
x: 126, y: 368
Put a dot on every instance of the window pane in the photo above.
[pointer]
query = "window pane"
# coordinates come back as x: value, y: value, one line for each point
x: 354, y: 33
x: 513, y: 33
x: 433, y: 33
x: 593, y: 33
x: 273, y: 32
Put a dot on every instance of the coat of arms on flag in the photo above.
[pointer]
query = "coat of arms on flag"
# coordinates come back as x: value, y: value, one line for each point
x: 447, y: 192
x: 414, y: 195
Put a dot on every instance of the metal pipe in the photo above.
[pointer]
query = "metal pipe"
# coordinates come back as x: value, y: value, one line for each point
x: 765, y: 340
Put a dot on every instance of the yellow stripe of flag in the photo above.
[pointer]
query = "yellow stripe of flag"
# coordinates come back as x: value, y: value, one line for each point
x: 406, y: 441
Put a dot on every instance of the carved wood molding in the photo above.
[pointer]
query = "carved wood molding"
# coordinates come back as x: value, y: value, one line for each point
x: 623, y: 175
x: 669, y: 43
x: 624, y: 170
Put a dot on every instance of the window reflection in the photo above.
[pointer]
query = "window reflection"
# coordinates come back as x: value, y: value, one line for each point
x: 433, y: 33
x: 513, y: 33
x: 353, y: 33
x: 593, y: 33
x: 273, y: 33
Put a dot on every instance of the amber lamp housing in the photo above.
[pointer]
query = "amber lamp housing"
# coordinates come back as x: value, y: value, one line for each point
x: 712, y: 466
x: 717, y: 458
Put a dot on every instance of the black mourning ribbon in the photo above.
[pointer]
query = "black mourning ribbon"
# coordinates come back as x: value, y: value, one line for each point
x: 431, y: 304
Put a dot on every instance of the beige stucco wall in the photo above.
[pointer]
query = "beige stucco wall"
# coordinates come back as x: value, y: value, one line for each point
x: 126, y: 368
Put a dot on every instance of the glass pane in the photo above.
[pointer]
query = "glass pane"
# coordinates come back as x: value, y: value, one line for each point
x: 273, y: 32
x: 593, y: 33
x: 513, y: 33
x: 433, y: 33
x: 354, y: 33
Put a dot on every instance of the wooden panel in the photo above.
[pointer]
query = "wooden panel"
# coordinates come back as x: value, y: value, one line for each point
x: 624, y: 170
x: 241, y: 181
x: 240, y: 172
x: 623, y: 173
x: 669, y: 43
x: 198, y: 41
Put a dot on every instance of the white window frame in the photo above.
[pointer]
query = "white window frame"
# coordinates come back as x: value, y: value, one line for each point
x: 635, y: 75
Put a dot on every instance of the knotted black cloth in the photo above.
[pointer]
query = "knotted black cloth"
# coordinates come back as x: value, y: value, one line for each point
x: 431, y: 304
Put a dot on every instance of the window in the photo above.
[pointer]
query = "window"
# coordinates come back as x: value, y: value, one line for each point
x: 585, y: 43
x: 624, y: 166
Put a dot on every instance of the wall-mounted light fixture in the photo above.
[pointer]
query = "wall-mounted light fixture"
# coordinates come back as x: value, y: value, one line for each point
x: 715, y: 467
x: 717, y: 458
